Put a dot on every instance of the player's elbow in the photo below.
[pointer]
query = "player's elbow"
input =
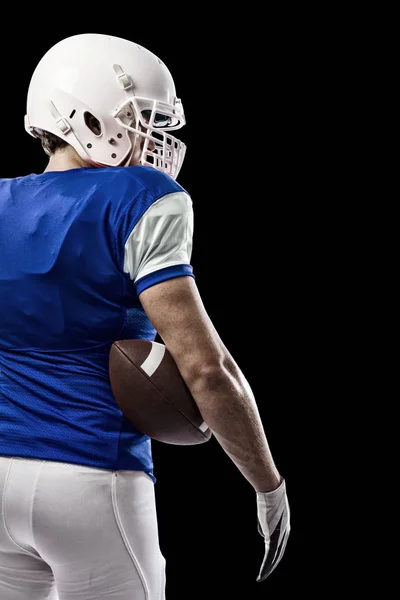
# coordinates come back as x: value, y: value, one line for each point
x: 210, y: 378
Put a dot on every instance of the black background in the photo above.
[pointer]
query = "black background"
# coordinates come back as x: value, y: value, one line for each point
x: 243, y: 84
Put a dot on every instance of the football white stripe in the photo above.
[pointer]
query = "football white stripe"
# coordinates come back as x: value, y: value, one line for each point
x: 154, y: 358
x: 203, y: 426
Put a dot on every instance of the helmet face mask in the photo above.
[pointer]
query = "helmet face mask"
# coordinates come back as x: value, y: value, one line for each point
x: 151, y: 125
x: 121, y: 86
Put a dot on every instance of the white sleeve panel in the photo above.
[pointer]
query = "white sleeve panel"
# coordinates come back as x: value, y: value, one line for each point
x: 163, y: 237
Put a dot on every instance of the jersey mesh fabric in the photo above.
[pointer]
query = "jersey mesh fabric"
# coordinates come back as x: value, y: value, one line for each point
x: 64, y: 300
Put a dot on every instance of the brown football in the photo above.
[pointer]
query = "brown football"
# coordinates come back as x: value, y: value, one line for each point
x: 152, y: 394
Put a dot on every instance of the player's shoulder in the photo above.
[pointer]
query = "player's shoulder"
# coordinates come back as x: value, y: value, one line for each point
x: 140, y: 189
x: 130, y: 183
x: 154, y: 181
x: 148, y: 178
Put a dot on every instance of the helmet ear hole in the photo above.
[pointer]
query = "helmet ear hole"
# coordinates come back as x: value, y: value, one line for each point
x: 92, y: 123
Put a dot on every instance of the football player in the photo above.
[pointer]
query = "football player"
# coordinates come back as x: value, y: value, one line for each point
x: 95, y: 249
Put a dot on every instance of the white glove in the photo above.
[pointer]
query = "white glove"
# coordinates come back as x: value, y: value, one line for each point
x: 273, y: 516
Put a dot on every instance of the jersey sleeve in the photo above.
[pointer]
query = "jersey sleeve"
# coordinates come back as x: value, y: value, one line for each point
x: 160, y: 245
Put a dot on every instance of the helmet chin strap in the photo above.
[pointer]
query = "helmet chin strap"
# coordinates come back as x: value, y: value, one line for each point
x: 135, y: 141
x: 125, y: 163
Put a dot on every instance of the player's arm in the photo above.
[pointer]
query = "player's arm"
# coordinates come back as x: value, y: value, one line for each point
x: 225, y: 401
x: 223, y: 395
x: 157, y: 257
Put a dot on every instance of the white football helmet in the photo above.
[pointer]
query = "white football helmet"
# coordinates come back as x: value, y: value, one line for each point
x: 124, y: 86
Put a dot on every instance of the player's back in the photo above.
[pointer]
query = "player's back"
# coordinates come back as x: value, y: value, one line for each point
x: 65, y: 297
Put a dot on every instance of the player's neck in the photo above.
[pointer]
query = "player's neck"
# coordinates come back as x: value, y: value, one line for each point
x: 65, y: 159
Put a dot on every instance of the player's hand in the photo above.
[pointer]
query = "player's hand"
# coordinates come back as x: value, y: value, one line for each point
x: 273, y: 515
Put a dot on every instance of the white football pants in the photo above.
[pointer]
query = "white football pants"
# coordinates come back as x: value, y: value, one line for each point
x: 71, y: 532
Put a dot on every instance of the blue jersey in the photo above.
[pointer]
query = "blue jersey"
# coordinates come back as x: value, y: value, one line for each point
x: 77, y: 248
